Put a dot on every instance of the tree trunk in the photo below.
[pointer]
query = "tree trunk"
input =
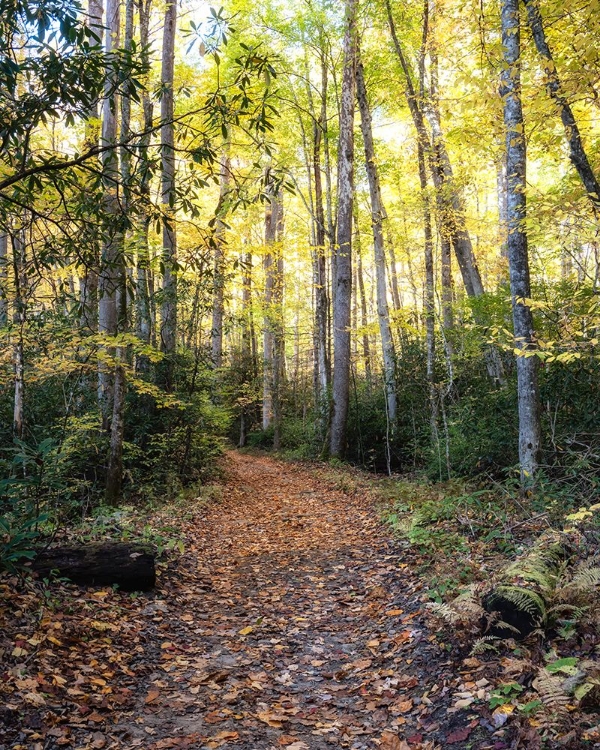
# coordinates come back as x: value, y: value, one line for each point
x: 342, y: 280
x: 360, y: 292
x: 88, y: 281
x: 143, y: 327
x: 527, y: 362
x: 130, y: 566
x: 322, y: 377
x: 377, y: 216
x: 248, y: 342
x: 502, y: 205
x: 393, y: 264
x: 577, y: 151
x: 114, y: 476
x: 278, y: 323
x: 3, y: 279
x: 168, y: 331
x: 112, y: 251
x: 219, y: 263
x: 269, y: 266
x: 19, y: 318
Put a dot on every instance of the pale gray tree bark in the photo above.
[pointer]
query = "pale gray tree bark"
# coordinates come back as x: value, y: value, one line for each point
x: 114, y: 475
x: 516, y: 160
x: 3, y: 279
x: 342, y: 279
x: 270, y: 269
x: 19, y: 261
x: 577, y: 152
x: 278, y: 323
x: 143, y: 317
x: 168, y: 332
x: 218, y: 309
x: 377, y: 218
x: 360, y: 295
x: 112, y: 251
x: 248, y: 340
x: 88, y: 281
x: 449, y: 200
x: 322, y: 369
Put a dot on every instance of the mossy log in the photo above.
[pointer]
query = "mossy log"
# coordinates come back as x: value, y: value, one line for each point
x: 130, y: 566
x: 521, y: 597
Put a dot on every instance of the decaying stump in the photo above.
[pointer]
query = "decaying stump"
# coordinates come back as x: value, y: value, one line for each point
x: 130, y: 566
x: 521, y: 597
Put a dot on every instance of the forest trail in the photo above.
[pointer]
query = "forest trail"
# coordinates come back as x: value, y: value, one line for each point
x: 288, y: 625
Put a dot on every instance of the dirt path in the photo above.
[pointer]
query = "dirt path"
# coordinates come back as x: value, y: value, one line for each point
x: 288, y: 625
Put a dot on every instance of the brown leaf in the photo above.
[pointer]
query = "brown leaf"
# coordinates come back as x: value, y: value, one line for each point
x: 221, y: 739
x: 459, y: 735
x: 272, y: 719
x: 391, y: 741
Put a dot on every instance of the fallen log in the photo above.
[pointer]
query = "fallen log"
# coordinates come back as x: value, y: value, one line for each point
x: 519, y: 601
x: 130, y: 566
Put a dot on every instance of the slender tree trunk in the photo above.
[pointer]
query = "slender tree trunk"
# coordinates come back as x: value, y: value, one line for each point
x: 429, y: 303
x: 269, y: 266
x: 278, y: 324
x: 248, y: 343
x: 502, y: 205
x: 88, y: 281
x: 167, y: 135
x: 322, y: 366
x: 360, y: 293
x: 143, y: 317
x: 450, y: 202
x: 342, y: 280
x: 516, y: 159
x: 112, y: 250
x: 114, y: 476
x: 3, y: 280
x: 393, y: 264
x: 377, y: 216
x: 19, y: 319
x: 219, y: 264
x: 577, y: 151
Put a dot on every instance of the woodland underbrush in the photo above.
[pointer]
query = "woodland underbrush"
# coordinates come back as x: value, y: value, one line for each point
x: 52, y: 481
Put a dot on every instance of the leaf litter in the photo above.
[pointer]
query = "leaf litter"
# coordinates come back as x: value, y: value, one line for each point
x: 291, y: 621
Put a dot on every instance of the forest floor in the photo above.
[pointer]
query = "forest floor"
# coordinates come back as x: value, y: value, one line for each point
x: 293, y: 620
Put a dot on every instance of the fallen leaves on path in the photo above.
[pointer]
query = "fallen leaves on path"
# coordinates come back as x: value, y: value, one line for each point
x: 290, y: 622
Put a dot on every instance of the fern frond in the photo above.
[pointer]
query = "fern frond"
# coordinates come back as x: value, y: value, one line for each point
x: 486, y: 643
x: 523, y: 599
x: 443, y: 612
x: 551, y: 691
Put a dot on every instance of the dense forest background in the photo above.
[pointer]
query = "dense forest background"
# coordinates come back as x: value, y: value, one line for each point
x: 300, y: 226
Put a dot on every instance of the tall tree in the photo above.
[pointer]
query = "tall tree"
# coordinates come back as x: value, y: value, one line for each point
x: 451, y: 211
x: 88, y: 282
x: 19, y: 261
x: 577, y: 152
x: 278, y: 321
x: 168, y: 331
x: 3, y: 279
x: 520, y: 287
x: 114, y: 475
x: 270, y: 269
x: 322, y: 369
x: 342, y: 276
x: 219, y: 262
x: 143, y: 320
x: 112, y: 250
x: 377, y: 217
